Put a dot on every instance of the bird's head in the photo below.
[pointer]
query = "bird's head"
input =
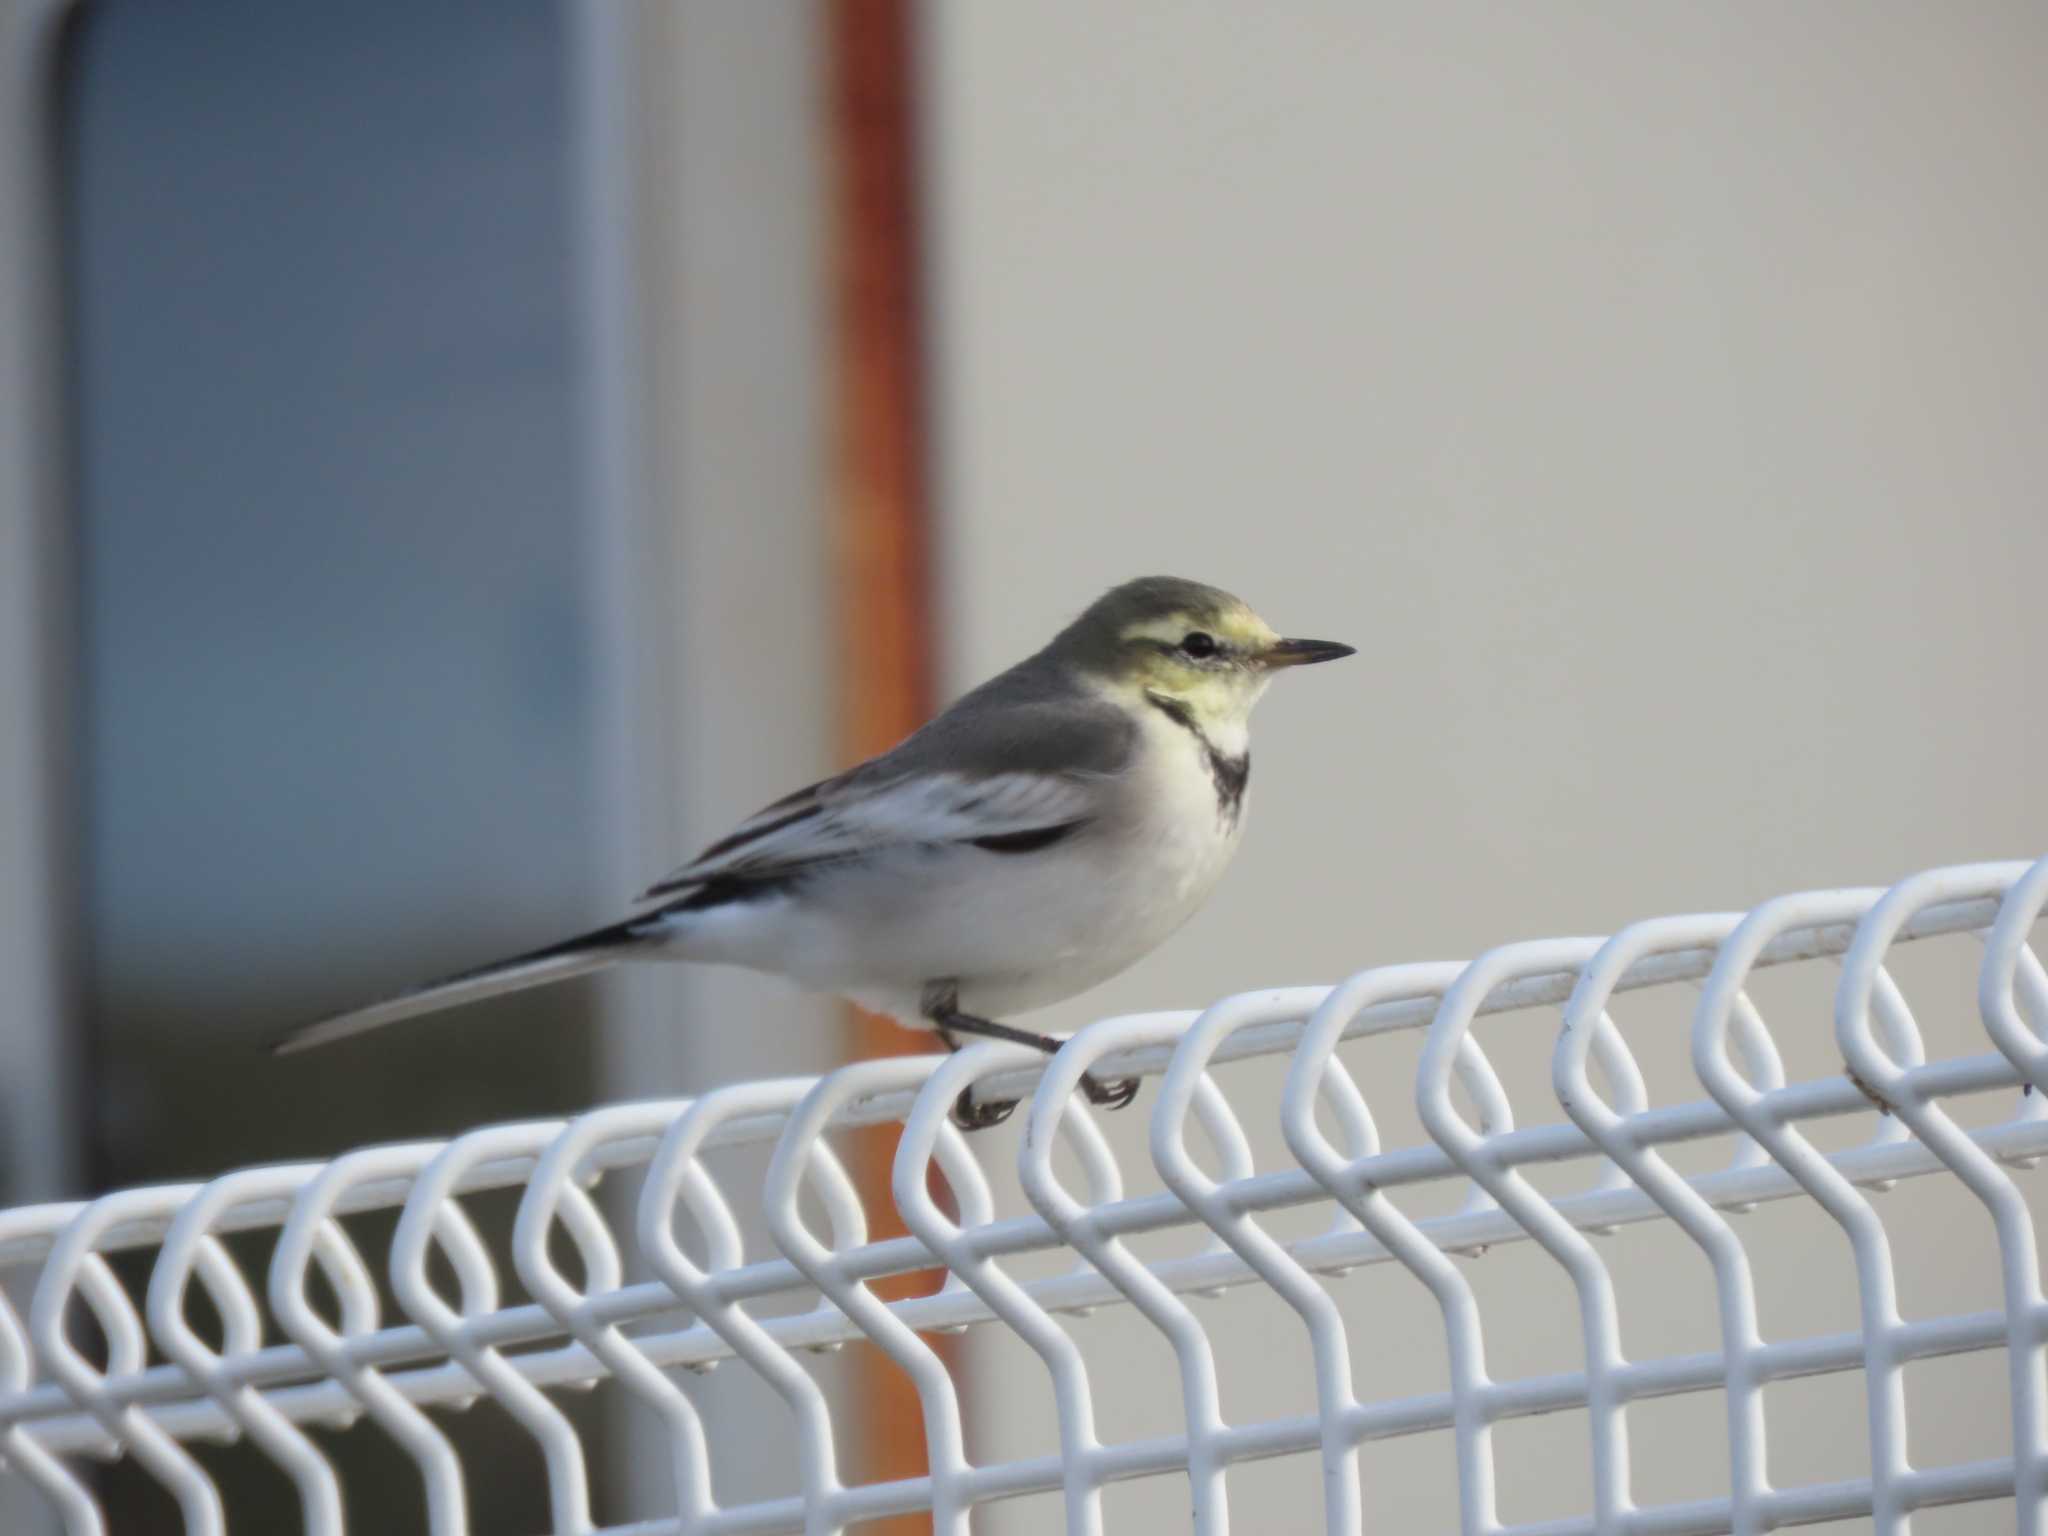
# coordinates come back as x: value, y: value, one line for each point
x: 1190, y: 648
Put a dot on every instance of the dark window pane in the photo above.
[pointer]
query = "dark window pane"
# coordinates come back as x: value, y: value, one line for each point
x: 334, y: 617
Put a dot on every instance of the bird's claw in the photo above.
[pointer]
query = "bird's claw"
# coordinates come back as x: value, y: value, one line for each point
x: 1114, y: 1094
x: 972, y: 1114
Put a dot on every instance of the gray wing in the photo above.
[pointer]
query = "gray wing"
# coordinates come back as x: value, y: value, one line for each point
x: 1011, y: 778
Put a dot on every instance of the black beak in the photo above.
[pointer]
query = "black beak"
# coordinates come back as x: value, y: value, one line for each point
x: 1303, y: 653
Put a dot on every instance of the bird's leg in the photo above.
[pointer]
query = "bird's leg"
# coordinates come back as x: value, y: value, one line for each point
x: 967, y: 1114
x: 942, y: 1007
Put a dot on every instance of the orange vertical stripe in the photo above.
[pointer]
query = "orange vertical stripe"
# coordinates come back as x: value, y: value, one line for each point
x: 881, y: 534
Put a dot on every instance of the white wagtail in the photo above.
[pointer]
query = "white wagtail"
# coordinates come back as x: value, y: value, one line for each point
x: 1038, y: 837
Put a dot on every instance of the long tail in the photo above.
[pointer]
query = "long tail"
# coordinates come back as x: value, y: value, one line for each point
x: 586, y: 952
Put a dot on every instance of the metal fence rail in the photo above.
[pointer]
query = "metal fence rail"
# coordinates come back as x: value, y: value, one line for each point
x: 153, y: 1380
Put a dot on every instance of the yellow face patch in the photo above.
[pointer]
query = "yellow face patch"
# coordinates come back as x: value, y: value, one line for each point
x: 1238, y: 632
x: 1216, y: 685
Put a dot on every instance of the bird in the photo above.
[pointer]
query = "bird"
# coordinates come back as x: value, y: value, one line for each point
x: 1039, y: 836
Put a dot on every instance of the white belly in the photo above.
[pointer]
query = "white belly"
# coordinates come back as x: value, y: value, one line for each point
x: 1015, y: 930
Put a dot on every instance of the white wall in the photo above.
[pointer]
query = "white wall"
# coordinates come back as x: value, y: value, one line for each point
x: 1653, y: 394
x: 706, y: 201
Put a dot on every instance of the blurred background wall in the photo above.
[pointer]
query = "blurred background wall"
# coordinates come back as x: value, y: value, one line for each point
x: 1652, y: 394
x: 450, y: 528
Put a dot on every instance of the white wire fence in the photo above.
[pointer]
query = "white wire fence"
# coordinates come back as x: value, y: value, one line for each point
x: 629, y: 1252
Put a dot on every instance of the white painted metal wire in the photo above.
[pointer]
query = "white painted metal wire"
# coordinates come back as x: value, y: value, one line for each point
x: 325, y: 1355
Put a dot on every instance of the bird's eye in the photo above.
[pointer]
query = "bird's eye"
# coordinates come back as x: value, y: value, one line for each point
x: 1199, y: 645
